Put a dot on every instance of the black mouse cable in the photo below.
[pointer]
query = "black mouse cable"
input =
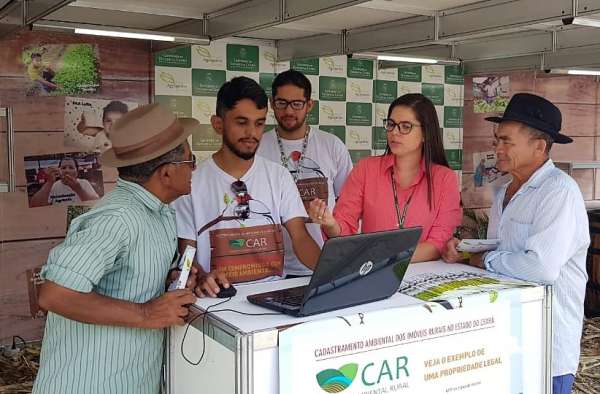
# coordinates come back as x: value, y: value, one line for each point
x: 203, y: 315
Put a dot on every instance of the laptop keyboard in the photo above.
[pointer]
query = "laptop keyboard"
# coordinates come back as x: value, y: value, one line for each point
x: 291, y: 297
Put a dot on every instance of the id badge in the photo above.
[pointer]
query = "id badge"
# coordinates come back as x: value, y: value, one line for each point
x: 311, y: 188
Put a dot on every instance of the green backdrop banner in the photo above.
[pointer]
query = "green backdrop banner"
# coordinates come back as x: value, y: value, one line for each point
x: 351, y: 96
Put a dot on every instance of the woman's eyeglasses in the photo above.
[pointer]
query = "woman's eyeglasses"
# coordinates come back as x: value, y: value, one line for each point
x: 403, y: 127
x: 283, y: 104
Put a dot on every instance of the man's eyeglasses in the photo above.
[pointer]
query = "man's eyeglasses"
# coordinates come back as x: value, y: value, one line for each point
x: 242, y: 209
x: 192, y: 161
x: 308, y: 165
x: 283, y: 104
x: 403, y: 127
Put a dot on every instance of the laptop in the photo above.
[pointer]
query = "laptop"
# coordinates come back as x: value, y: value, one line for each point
x: 351, y: 270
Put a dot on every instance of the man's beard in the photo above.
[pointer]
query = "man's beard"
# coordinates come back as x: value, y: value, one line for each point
x: 236, y: 151
x: 296, y: 126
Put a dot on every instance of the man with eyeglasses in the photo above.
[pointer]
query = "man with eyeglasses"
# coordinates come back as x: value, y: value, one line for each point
x: 240, y: 201
x: 318, y: 161
x: 104, y: 286
x: 540, y: 219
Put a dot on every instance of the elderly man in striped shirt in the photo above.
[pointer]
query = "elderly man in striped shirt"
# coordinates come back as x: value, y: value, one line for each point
x: 540, y: 218
x: 104, y: 285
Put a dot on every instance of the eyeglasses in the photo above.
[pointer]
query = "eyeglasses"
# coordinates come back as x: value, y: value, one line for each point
x: 403, y: 127
x: 311, y: 167
x: 242, y: 209
x: 283, y: 104
x: 192, y: 161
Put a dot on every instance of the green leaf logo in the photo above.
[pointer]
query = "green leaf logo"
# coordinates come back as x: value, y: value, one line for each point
x: 202, y: 51
x: 327, y: 110
x: 337, y: 380
x: 226, y: 199
x: 453, y: 94
x: 355, y: 88
x: 167, y: 78
x: 237, y: 243
x: 270, y: 57
x: 329, y: 63
x: 493, y: 296
x: 431, y: 71
x: 403, y: 89
x: 204, y: 108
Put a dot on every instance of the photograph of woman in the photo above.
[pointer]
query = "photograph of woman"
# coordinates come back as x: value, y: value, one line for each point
x: 63, y: 185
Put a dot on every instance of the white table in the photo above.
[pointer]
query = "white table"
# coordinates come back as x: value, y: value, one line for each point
x: 241, y: 353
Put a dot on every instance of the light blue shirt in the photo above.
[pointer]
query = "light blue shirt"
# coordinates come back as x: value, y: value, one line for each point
x: 544, y: 237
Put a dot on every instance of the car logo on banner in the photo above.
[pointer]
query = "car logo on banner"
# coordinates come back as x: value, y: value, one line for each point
x: 337, y: 380
x: 237, y: 243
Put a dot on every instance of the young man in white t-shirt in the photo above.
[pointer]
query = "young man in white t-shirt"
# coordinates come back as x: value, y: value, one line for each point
x: 318, y: 161
x: 234, y: 190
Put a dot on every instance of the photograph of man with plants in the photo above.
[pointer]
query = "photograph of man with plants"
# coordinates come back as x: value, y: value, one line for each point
x: 60, y: 70
x: 490, y: 94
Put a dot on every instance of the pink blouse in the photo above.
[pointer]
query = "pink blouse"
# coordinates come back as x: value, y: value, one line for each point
x: 367, y: 195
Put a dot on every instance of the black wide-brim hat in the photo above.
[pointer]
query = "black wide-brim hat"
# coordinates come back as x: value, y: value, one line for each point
x: 536, y: 112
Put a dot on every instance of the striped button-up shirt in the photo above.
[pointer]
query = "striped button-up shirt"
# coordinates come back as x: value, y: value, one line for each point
x: 544, y: 236
x: 121, y: 249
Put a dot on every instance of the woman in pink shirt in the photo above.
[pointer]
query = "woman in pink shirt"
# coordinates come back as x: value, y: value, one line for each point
x: 410, y: 185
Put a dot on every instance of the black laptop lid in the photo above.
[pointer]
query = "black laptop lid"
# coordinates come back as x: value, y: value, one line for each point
x: 360, y: 268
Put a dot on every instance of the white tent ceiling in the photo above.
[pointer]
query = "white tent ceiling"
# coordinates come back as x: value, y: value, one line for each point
x: 487, y: 35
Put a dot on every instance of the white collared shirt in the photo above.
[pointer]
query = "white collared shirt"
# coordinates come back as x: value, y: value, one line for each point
x: 544, y: 237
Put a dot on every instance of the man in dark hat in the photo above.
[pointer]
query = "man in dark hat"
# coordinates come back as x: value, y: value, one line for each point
x: 104, y: 285
x: 540, y: 220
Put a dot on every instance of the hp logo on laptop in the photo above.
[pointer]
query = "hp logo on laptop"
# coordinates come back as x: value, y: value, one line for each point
x: 365, y: 268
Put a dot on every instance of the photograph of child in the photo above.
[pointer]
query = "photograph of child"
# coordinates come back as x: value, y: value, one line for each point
x: 41, y: 75
x: 61, y: 69
x: 88, y: 122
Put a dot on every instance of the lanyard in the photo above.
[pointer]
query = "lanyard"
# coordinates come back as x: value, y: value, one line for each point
x: 397, y: 206
x: 284, y: 158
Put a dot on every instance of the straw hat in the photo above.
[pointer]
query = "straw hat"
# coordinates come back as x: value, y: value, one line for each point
x: 146, y: 133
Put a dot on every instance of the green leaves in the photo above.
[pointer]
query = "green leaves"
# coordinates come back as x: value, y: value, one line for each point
x: 79, y: 72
